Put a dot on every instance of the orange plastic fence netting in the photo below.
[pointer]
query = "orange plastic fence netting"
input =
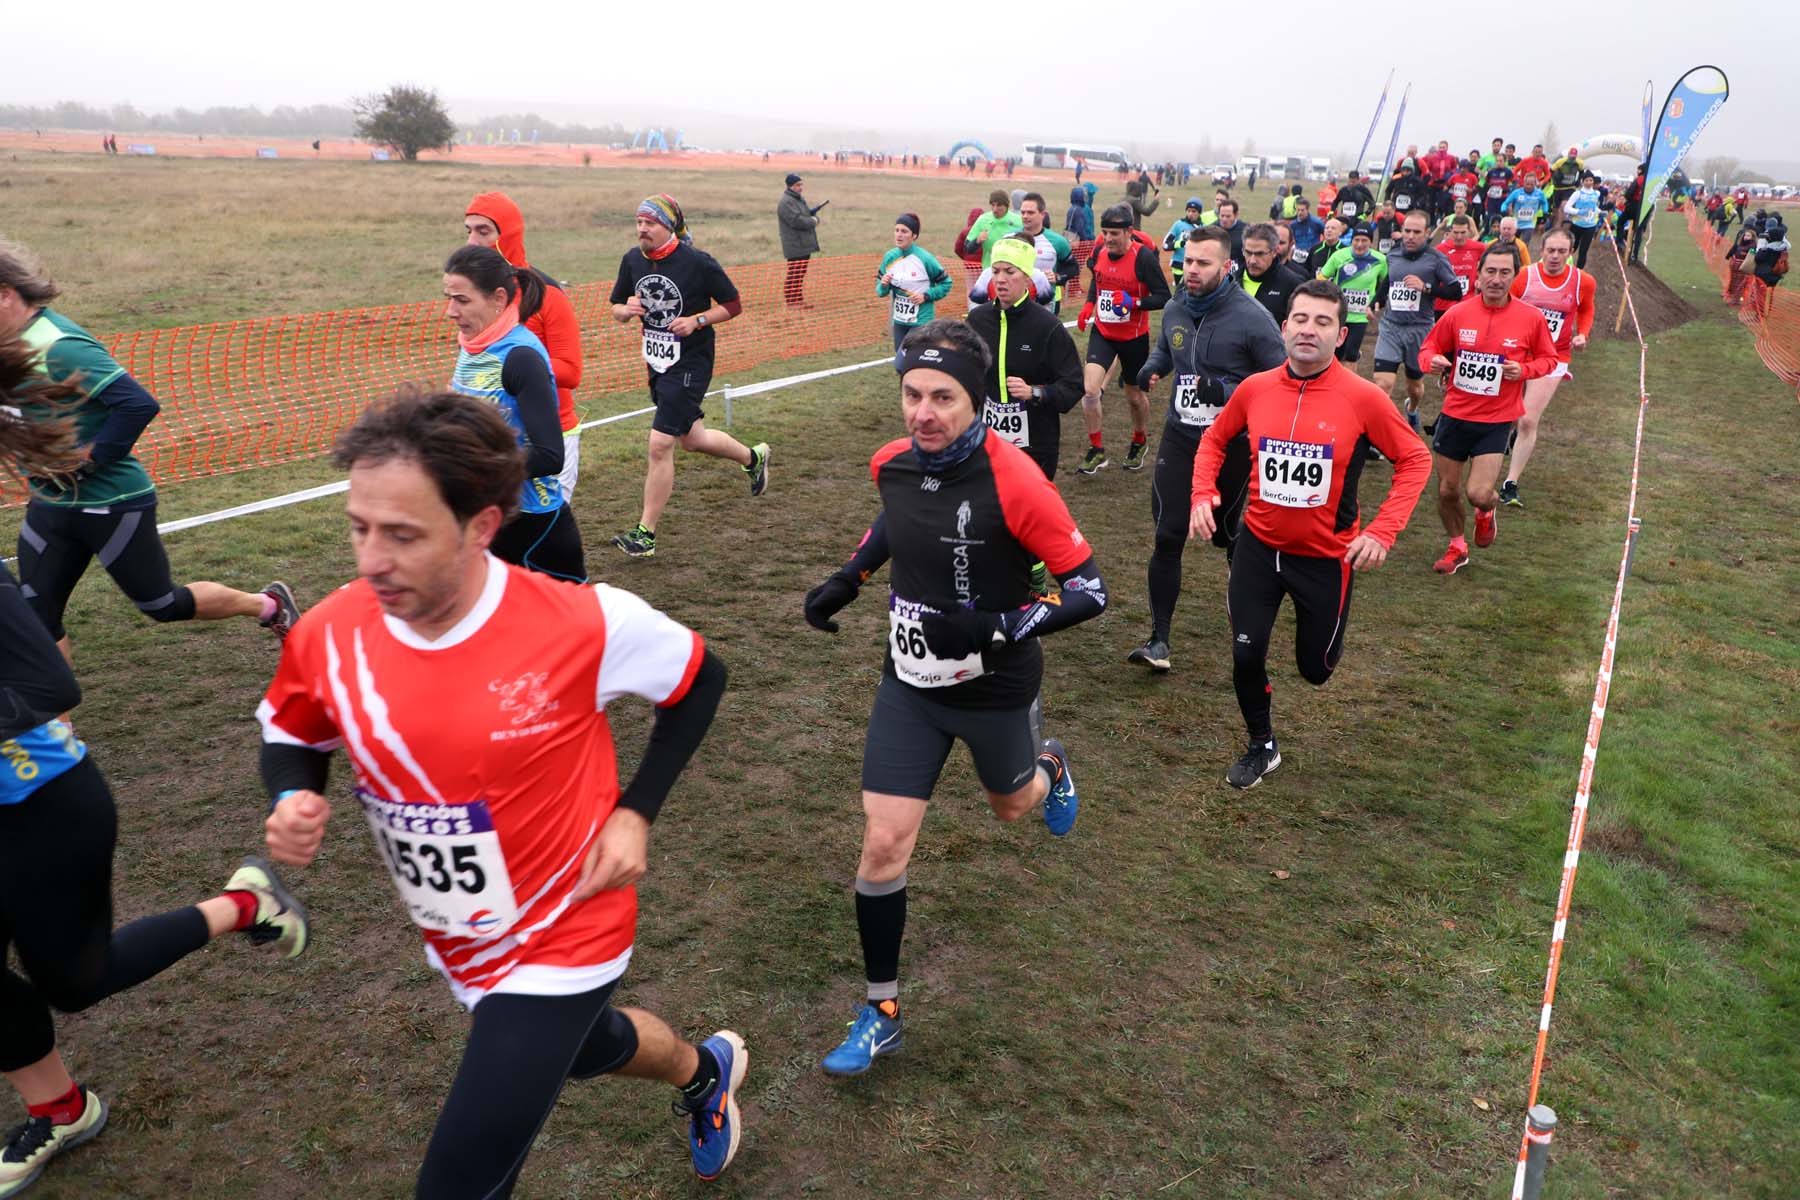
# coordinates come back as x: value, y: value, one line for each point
x: 1771, y: 313
x: 257, y: 392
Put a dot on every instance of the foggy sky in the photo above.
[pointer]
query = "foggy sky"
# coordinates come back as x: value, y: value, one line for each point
x: 921, y: 69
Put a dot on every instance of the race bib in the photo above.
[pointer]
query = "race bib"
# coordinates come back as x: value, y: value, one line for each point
x: 913, y: 660
x: 1460, y: 191
x: 662, y: 349
x: 1008, y: 420
x: 1462, y: 281
x: 906, y: 310
x: 1478, y: 374
x: 1402, y: 202
x: 446, y: 863
x: 1403, y: 299
x: 1293, y: 474
x: 1300, y: 256
x: 1385, y: 244
x: 1347, y: 208
x: 1190, y: 407
x: 1358, y: 300
x: 1497, y: 192
x: 1554, y: 317
x: 1113, y: 308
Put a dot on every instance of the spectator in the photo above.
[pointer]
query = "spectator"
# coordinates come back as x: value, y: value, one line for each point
x: 1742, y: 259
x: 799, y: 237
x: 1772, y: 258
x: 1135, y: 196
x: 1078, y: 222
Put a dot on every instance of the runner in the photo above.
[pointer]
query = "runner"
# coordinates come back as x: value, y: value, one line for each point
x: 1583, y: 210
x: 1387, y: 227
x: 1506, y: 235
x: 1037, y: 372
x: 999, y: 221
x: 1335, y: 238
x: 500, y: 361
x: 1464, y: 184
x: 1408, y: 192
x: 912, y: 277
x: 1055, y: 257
x: 1436, y: 168
x: 1212, y: 338
x: 1566, y: 296
x: 472, y: 699
x: 679, y: 294
x: 1416, y: 275
x: 1487, y: 346
x: 494, y: 221
x: 1525, y: 204
x: 963, y: 515
x: 1310, y: 421
x: 1306, y: 230
x: 105, y: 508
x: 1175, y: 241
x: 1128, y: 286
x: 1463, y: 251
x: 1269, y: 281
x: 1565, y: 176
x: 1234, y: 228
x: 1534, y: 165
x: 57, y: 835
x: 1284, y: 250
x: 1359, y: 272
x: 1497, y: 185
x: 1355, y: 202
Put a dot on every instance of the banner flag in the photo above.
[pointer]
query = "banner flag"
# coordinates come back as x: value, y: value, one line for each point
x: 1362, y: 156
x: 1692, y: 104
x: 1387, y: 169
x: 1649, y: 99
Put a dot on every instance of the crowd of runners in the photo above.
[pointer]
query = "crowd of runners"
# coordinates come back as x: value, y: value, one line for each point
x: 468, y: 671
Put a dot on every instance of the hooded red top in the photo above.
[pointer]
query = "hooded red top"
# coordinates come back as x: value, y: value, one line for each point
x: 554, y: 322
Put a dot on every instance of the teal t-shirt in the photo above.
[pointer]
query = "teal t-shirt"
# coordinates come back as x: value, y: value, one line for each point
x: 67, y: 353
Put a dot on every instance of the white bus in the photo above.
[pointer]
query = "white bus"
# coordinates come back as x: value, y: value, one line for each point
x: 1067, y: 154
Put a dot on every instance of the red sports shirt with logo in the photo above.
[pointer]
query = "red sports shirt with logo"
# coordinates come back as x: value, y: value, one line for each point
x: 484, y: 762
x: 1566, y: 300
x: 1478, y: 341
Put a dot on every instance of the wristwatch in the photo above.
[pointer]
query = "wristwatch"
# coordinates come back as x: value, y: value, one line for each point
x: 700, y: 320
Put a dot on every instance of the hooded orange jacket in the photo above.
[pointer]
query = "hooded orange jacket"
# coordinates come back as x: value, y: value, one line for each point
x: 554, y: 322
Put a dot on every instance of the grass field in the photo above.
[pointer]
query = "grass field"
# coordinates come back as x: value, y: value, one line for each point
x: 1146, y: 1008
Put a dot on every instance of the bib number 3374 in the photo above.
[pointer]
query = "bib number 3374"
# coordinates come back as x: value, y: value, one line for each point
x: 446, y: 863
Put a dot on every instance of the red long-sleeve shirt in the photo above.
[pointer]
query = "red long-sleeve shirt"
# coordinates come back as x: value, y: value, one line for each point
x: 1477, y: 339
x: 1310, y: 439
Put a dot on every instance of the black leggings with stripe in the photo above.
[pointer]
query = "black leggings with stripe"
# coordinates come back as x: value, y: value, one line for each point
x: 1260, y: 577
x: 57, y: 544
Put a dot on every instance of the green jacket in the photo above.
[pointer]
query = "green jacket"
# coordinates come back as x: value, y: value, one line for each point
x: 920, y: 272
x: 1350, y: 278
x: 995, y: 228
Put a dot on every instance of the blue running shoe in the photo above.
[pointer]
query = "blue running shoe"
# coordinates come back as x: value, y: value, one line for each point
x: 872, y: 1035
x: 1061, y: 804
x: 715, y: 1129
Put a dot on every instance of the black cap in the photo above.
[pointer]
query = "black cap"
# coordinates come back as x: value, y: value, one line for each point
x: 792, y: 179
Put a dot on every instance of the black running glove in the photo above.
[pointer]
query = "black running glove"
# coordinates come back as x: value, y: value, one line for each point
x: 961, y: 632
x: 826, y: 599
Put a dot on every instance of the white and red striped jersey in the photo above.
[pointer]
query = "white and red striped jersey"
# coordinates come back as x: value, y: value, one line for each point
x: 484, y: 762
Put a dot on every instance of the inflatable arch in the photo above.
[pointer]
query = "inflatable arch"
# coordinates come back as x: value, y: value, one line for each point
x: 1614, y: 145
x: 969, y: 144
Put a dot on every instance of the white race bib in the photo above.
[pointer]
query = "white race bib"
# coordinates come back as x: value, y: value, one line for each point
x: 1358, y: 300
x: 1402, y: 202
x: 1293, y: 474
x: 1478, y: 374
x: 1385, y: 244
x: 1497, y: 192
x: 906, y: 310
x: 1554, y: 317
x: 1112, y: 308
x: 446, y: 863
x: 662, y: 349
x: 1008, y: 420
x: 913, y: 660
x: 1462, y: 281
x: 1347, y: 208
x: 1403, y: 299
x: 1190, y: 408
x: 1300, y: 256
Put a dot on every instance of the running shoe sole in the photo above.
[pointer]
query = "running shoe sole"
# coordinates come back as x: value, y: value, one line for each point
x: 1460, y: 564
x: 287, y: 609
x: 258, y: 876
x: 634, y: 549
x: 740, y: 1066
x: 1087, y: 468
x: 1142, y: 655
x: 87, y: 1135
x: 1244, y: 787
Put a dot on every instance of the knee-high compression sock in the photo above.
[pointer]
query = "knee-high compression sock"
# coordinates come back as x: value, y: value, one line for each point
x: 881, y: 922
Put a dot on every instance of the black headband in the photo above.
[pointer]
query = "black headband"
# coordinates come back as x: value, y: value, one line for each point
x: 966, y: 369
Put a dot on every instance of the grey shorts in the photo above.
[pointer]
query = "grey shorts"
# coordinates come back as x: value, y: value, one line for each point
x: 910, y: 736
x: 1398, y: 346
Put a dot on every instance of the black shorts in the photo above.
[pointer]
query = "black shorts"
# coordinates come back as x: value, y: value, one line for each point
x: 1351, y: 350
x: 56, y: 544
x: 910, y: 736
x: 547, y: 542
x: 1460, y: 440
x: 1132, y: 355
x: 678, y: 393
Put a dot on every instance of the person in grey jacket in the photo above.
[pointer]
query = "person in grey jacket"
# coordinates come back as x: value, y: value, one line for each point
x: 1214, y: 336
x: 1418, y: 276
x: 799, y: 236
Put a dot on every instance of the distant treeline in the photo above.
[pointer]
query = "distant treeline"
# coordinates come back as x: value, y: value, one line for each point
x: 313, y: 121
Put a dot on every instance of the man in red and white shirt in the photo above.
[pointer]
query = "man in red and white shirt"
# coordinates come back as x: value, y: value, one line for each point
x: 471, y: 698
x: 1310, y: 423
x: 1565, y: 295
x: 1487, y: 347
